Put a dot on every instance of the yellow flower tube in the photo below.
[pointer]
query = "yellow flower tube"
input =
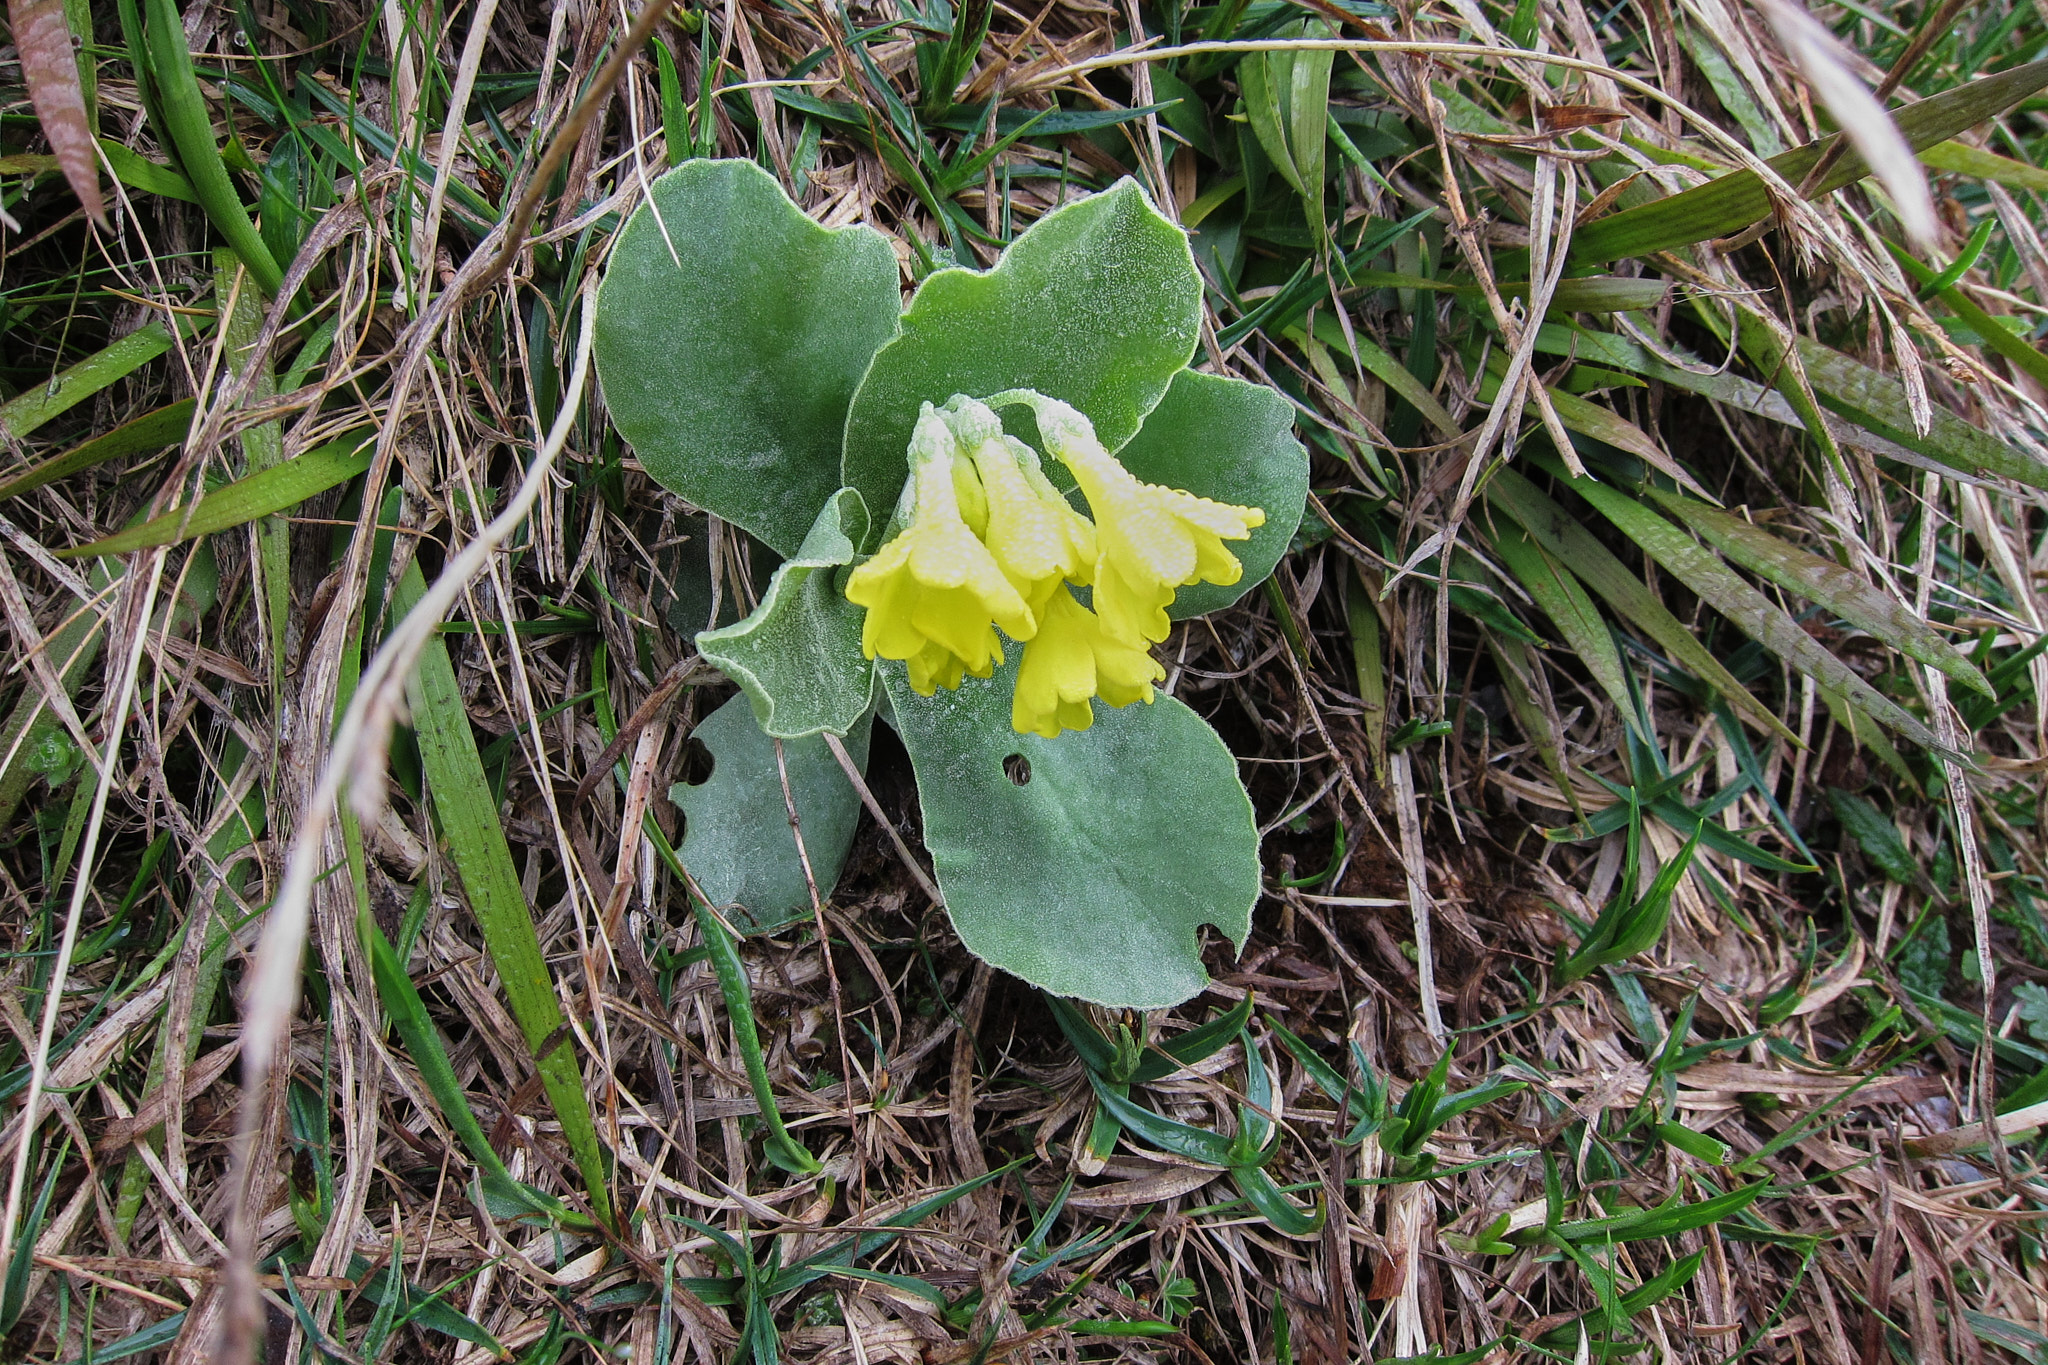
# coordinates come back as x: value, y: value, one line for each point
x: 934, y: 593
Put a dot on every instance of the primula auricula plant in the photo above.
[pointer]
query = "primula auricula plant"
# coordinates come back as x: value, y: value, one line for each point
x: 990, y: 506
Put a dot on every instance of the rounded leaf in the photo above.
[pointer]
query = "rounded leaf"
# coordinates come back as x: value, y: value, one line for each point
x: 1086, y: 864
x: 1097, y: 304
x: 1232, y: 441
x: 731, y: 334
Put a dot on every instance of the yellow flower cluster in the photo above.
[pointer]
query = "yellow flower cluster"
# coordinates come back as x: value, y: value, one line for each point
x: 985, y: 540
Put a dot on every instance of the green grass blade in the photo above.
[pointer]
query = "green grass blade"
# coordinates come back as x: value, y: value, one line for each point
x: 408, y: 1014
x: 244, y: 500
x: 1569, y: 608
x: 1756, y: 615
x: 262, y: 449
x: 215, y: 905
x: 151, y: 431
x: 190, y: 129
x: 1979, y: 164
x: 469, y: 818
x: 1840, y: 590
x: 138, y: 172
x: 1570, y: 543
x: 783, y: 1149
x: 1848, y: 388
x: 2022, y: 352
x: 38, y: 404
x: 1726, y: 206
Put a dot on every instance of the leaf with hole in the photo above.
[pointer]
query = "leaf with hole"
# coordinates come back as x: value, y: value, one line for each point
x: 738, y: 843
x: 1063, y: 860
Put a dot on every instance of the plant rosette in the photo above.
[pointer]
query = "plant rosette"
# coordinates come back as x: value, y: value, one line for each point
x: 989, y: 507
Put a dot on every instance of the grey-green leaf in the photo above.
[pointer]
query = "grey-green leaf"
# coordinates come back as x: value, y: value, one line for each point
x: 738, y: 844
x: 1833, y: 586
x: 798, y: 657
x: 1232, y: 441
x: 1097, y: 304
x: 1093, y: 875
x: 732, y: 332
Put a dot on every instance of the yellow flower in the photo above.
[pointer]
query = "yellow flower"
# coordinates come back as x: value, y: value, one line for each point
x: 1070, y: 660
x: 934, y: 594
x: 1150, y: 539
x: 1034, y: 534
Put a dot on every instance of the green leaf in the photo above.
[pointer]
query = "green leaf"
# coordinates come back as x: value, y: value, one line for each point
x: 738, y: 843
x: 1878, y: 836
x: 1736, y: 200
x: 1233, y: 441
x: 468, y: 816
x: 1092, y: 877
x: 1924, y: 958
x: 151, y: 431
x: 907, y: 1284
x: 1097, y: 304
x: 1877, y: 402
x: 272, y: 490
x: 731, y: 333
x: 188, y: 126
x: 1287, y: 99
x: 723, y: 949
x: 423, y: 1307
x: 2010, y: 341
x: 1753, y: 613
x: 1839, y: 589
x: 1204, y: 1040
x: 2032, y: 999
x: 154, y: 1337
x: 505, y: 1196
x: 798, y: 657
x: 849, y: 1249
x: 1284, y: 1217
x: 38, y: 403
x: 138, y: 172
x: 1869, y: 398
x: 1665, y: 1220
x: 1659, y: 1287
x: 1708, y: 1149
x: 1183, y: 1140
x: 1979, y: 164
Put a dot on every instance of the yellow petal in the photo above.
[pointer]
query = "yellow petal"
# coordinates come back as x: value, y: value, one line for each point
x: 1132, y: 612
x: 1071, y: 659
